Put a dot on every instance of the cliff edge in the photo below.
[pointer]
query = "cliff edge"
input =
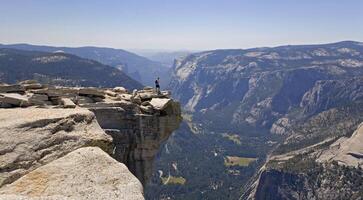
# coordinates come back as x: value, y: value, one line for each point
x: 80, y: 143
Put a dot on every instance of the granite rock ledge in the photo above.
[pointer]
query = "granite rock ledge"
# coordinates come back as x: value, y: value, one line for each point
x: 42, y: 124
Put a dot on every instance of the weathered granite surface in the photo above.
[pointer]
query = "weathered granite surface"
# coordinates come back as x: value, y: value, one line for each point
x: 33, y: 137
x: 346, y: 151
x: 40, y: 124
x: 86, y: 173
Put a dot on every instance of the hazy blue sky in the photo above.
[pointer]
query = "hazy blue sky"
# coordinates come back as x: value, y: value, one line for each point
x: 184, y: 24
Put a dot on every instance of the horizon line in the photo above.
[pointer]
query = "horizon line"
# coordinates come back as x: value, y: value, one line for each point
x: 179, y: 50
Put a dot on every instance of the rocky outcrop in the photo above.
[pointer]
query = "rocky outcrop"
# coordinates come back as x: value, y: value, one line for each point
x: 346, y: 151
x: 86, y: 173
x: 40, y: 126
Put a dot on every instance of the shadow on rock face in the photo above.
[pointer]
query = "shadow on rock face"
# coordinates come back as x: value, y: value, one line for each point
x: 137, y: 137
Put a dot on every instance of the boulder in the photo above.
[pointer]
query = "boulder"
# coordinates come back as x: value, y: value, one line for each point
x: 160, y: 104
x: 111, y: 93
x: 86, y: 173
x: 32, y: 137
x: 67, y: 103
x: 120, y: 90
x: 11, y: 88
x: 14, y: 99
x: 92, y: 91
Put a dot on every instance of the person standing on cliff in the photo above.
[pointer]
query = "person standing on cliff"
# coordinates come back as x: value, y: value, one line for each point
x: 157, y: 85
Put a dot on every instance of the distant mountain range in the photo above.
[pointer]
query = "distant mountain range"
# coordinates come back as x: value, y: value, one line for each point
x: 167, y: 58
x: 289, y: 108
x: 255, y: 87
x: 61, y: 69
x: 137, y: 67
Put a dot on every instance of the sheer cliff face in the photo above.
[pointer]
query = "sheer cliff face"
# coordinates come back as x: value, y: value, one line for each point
x: 256, y: 87
x: 137, y: 137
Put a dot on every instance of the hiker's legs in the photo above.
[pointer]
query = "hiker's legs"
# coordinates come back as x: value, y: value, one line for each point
x: 158, y: 90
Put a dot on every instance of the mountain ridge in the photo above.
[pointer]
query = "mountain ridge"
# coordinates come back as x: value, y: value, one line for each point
x: 66, y: 69
x: 131, y: 63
